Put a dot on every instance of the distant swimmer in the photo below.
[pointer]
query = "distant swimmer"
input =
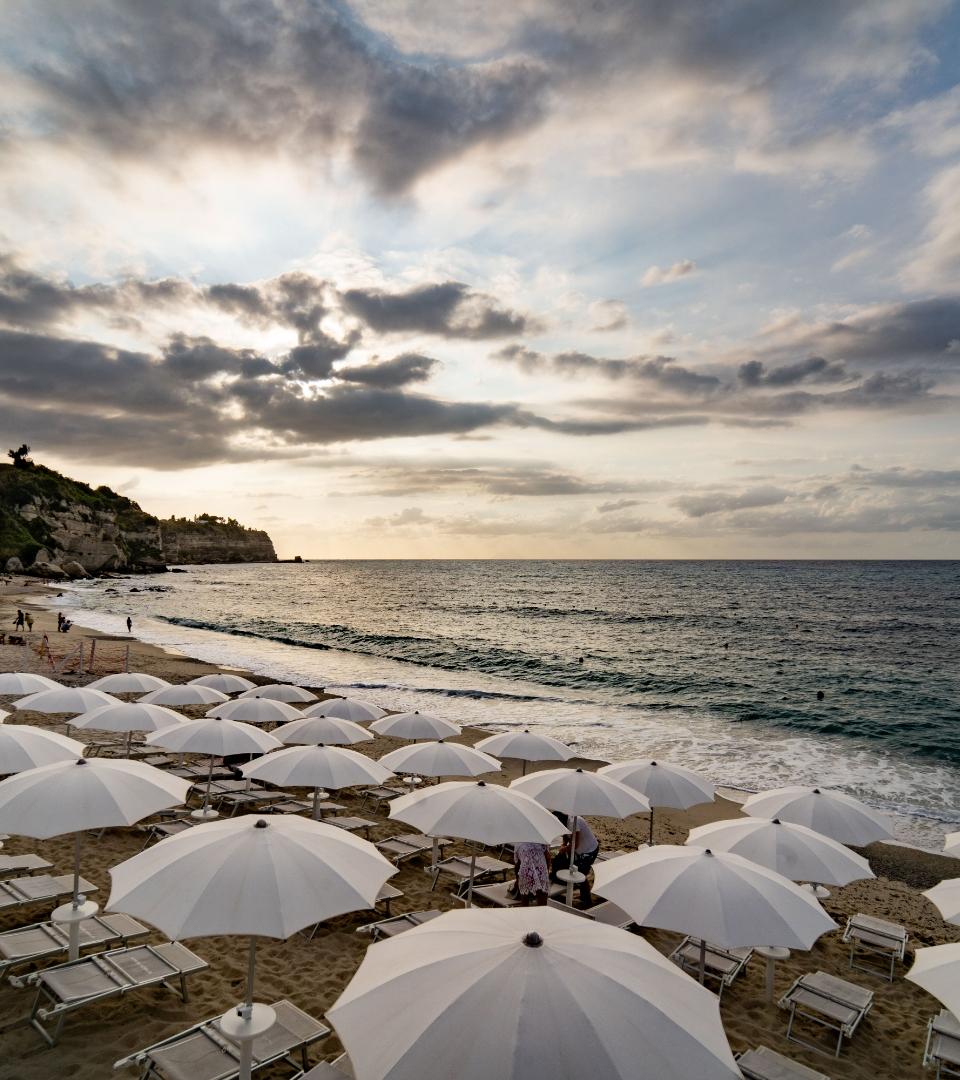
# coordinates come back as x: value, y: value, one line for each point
x: 819, y: 695
x: 129, y: 625
x: 579, y: 659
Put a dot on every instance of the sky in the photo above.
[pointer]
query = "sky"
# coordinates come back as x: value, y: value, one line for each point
x: 441, y: 278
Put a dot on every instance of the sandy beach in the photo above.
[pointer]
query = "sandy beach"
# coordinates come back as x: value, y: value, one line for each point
x: 312, y: 973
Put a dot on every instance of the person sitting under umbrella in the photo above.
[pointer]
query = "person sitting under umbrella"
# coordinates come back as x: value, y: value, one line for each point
x: 588, y: 848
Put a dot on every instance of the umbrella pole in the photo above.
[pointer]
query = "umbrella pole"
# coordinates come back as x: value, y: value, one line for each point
x: 126, y: 745
x: 703, y: 961
x: 572, y: 867
x: 243, y: 1023
x: 77, y: 909
x: 316, y: 804
x: 246, y: 1047
x: 206, y: 794
x: 434, y: 854
x: 473, y: 870
x: 651, y: 824
x: 523, y: 768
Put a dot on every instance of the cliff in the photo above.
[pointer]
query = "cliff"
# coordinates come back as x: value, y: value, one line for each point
x: 54, y: 527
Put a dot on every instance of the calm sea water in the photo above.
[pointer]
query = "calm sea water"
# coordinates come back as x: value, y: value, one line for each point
x: 715, y: 664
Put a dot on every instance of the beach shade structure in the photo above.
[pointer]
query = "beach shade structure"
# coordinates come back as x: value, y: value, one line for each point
x: 575, y: 792
x: 440, y: 759
x: 180, y: 694
x: 937, y: 970
x: 526, y: 746
x: 482, y: 812
x: 127, y: 717
x: 256, y: 711
x: 76, y: 796
x: 720, y: 898
x: 796, y: 852
x: 318, y: 767
x: 24, y: 747
x: 839, y: 816
x: 19, y: 683
x: 128, y: 682
x: 214, y: 737
x: 249, y: 876
x: 527, y: 994
x: 65, y: 699
x: 414, y: 725
x: 662, y: 784
x: 355, y: 709
x: 281, y: 692
x: 225, y: 682
x: 951, y: 844
x: 945, y: 897
x: 323, y: 731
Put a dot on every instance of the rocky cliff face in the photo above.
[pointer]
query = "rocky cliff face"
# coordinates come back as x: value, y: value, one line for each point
x: 211, y: 541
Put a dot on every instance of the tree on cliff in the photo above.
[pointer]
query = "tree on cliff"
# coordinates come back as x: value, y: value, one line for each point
x: 19, y: 457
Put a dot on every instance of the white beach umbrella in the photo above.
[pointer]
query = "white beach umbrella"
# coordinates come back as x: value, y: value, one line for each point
x: 225, y: 682
x: 356, y: 709
x: 323, y: 730
x: 526, y: 746
x: 945, y: 897
x: 937, y: 970
x: 721, y: 898
x: 527, y: 994
x: 662, y: 784
x: 256, y: 711
x: 281, y: 692
x: 796, y: 852
x: 127, y: 716
x: 24, y: 682
x: 317, y: 767
x: 575, y: 792
x: 414, y: 725
x: 24, y: 747
x: 440, y: 759
x: 179, y: 694
x: 65, y: 699
x: 216, y: 737
x: 128, y: 682
x: 831, y: 813
x: 78, y: 795
x: 250, y: 876
x: 486, y: 813
x: 951, y: 844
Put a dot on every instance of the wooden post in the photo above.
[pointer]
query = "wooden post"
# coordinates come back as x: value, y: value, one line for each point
x: 126, y: 658
x: 93, y: 649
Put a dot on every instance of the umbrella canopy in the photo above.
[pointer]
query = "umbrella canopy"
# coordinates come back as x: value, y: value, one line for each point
x: 249, y: 875
x: 85, y: 793
x: 128, y: 682
x: 945, y: 897
x: 526, y: 746
x: 527, y: 994
x: 281, y: 692
x: 951, y: 844
x: 127, y: 716
x: 214, y: 736
x: 795, y: 851
x: 724, y: 899
x: 323, y: 730
x: 65, y: 699
x: 184, y: 694
x: 937, y: 970
x: 440, y: 759
x: 24, y: 747
x: 414, y: 725
x: 225, y: 682
x: 662, y: 784
x: 355, y: 709
x: 831, y: 813
x: 256, y: 711
x: 24, y: 682
x: 317, y: 767
x: 577, y: 792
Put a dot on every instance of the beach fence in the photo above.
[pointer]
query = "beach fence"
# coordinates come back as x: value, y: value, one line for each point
x: 89, y: 655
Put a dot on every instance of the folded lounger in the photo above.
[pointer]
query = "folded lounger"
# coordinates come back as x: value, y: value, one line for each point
x: 67, y: 987
x: 397, y: 924
x: 833, y: 1003
x: 875, y: 937
x: 459, y: 866
x: 408, y: 846
x: 43, y: 940
x: 765, y: 1064
x: 605, y: 912
x: 22, y: 864
x: 721, y: 965
x: 943, y: 1044
x: 23, y: 891
x: 378, y: 795
x: 203, y: 1053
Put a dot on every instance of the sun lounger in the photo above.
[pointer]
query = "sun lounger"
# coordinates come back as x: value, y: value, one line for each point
x: 387, y: 894
x: 378, y: 795
x: 721, y: 965
x: 499, y: 894
x: 833, y: 1003
x: 41, y: 941
x: 459, y: 866
x: 353, y: 824
x: 338, y: 1069
x: 236, y: 799
x: 160, y: 830
x: 202, y: 1052
x: 70, y: 986
x: 305, y: 806
x: 408, y: 846
x: 605, y: 912
x: 943, y: 1044
x: 397, y: 924
x: 765, y: 1064
x: 23, y: 891
x: 875, y: 937
x: 22, y: 864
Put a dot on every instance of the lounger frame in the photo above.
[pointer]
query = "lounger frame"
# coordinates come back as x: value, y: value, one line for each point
x: 722, y: 966
x: 875, y: 937
x: 110, y: 930
x: 807, y: 985
x: 765, y: 1064
x: 943, y: 1033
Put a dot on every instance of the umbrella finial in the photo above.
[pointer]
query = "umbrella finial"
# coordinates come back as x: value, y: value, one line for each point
x: 481, y: 783
x: 707, y: 851
x: 532, y: 940
x: 579, y: 770
x: 653, y: 763
x: 81, y: 761
x: 260, y: 824
x: 776, y: 821
x: 816, y: 791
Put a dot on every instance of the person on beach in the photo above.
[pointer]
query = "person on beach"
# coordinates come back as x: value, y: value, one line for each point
x: 588, y: 848
x: 532, y: 862
x: 59, y: 621
x: 28, y: 618
x: 129, y: 625
x: 18, y: 622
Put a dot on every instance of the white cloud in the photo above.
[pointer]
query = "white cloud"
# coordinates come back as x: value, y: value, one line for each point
x: 935, y: 264
x: 657, y: 276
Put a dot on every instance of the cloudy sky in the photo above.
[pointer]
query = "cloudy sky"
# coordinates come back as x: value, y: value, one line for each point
x: 416, y: 278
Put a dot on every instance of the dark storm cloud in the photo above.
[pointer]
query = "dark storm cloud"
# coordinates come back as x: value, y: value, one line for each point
x: 700, y: 505
x: 447, y: 309
x: 814, y: 369
x: 388, y: 374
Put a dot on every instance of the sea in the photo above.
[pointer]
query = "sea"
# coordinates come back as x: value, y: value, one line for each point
x: 759, y: 674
